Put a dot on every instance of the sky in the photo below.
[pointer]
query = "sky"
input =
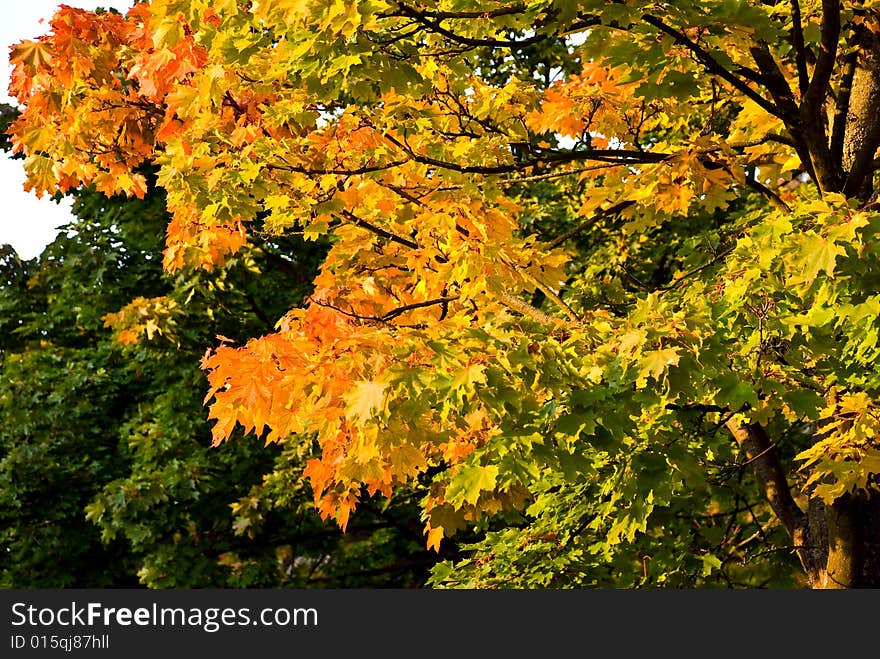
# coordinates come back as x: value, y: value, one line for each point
x: 28, y: 223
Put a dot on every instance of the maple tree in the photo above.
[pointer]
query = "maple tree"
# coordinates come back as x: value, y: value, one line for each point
x: 604, y: 272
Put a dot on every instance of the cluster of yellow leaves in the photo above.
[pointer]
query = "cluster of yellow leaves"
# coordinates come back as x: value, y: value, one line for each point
x: 847, y: 457
x: 144, y: 317
x: 700, y: 174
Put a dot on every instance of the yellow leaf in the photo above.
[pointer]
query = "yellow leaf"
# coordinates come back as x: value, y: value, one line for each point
x: 435, y: 535
x: 469, y: 376
x: 792, y: 164
x: 631, y: 341
x: 365, y: 398
x: 406, y: 461
x: 656, y: 361
x: 151, y: 328
x: 369, y: 286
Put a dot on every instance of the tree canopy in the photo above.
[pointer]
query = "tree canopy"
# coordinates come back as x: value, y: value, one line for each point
x: 604, y: 274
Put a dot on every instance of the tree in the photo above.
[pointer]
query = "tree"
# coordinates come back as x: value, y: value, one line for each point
x: 604, y: 273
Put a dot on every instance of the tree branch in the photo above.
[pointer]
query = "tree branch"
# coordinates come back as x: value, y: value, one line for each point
x: 698, y: 269
x: 548, y: 292
x: 518, y: 8
x: 589, y: 222
x: 712, y: 65
x: 764, y: 461
x: 546, y: 158
x: 813, y: 98
x: 804, y: 145
x: 774, y: 198
x: 432, y: 21
x: 769, y: 137
x: 390, y: 315
x: 775, y: 82
x: 826, y: 170
x: 800, y: 49
x: 342, y: 171
x: 841, y: 108
x: 394, y: 313
x: 526, y: 309
x: 379, y: 231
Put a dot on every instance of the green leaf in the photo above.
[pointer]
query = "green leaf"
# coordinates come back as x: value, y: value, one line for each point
x: 710, y: 564
x: 804, y: 402
x: 468, y: 482
x: 734, y: 393
x: 813, y: 254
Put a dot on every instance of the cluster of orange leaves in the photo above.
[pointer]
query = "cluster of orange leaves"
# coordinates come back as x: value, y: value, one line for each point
x: 321, y: 375
x: 90, y: 108
x: 581, y: 103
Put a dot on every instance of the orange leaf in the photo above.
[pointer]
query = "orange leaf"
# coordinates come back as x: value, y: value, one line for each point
x: 435, y: 535
x: 31, y: 53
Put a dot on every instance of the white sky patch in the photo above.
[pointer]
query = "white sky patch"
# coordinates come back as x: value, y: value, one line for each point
x: 576, y: 39
x: 28, y: 223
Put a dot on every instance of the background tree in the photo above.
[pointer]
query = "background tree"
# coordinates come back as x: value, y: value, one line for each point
x: 604, y: 273
x: 107, y: 475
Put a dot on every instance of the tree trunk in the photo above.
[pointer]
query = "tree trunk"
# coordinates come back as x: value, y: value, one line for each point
x: 839, y: 544
x: 847, y: 537
x: 862, y: 131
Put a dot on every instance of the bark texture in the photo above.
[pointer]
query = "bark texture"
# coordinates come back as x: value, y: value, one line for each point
x: 862, y: 131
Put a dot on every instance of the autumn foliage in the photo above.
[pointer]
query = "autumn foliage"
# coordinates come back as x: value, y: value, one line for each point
x: 589, y: 261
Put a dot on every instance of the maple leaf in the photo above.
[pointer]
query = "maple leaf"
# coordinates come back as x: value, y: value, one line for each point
x: 364, y: 399
x: 435, y: 535
x: 407, y: 461
x: 814, y: 254
x: 470, y: 482
x: 31, y: 53
x: 655, y: 362
x: 468, y: 376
